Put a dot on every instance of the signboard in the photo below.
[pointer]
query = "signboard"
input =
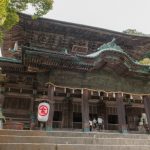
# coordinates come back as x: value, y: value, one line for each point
x: 43, y: 112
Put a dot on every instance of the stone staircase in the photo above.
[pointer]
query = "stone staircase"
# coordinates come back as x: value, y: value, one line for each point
x: 67, y: 140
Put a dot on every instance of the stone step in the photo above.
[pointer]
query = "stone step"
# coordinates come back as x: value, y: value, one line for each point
x: 73, y: 134
x: 72, y: 140
x: 37, y: 146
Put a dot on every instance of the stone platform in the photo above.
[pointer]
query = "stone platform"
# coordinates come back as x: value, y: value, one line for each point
x: 67, y: 140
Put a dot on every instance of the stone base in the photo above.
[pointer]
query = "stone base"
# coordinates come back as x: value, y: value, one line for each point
x: 49, y: 128
x: 13, y: 125
x: 86, y: 130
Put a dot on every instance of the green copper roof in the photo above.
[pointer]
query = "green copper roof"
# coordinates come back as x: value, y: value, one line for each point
x: 111, y: 51
x: 110, y: 45
x: 12, y: 60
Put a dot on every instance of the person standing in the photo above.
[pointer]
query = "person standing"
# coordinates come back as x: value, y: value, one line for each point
x: 94, y: 123
x: 100, y: 123
x: 90, y: 124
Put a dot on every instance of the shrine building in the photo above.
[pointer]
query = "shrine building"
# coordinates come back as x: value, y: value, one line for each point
x: 83, y: 72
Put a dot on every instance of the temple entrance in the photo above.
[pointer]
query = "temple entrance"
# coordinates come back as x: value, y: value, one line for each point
x: 77, y: 120
x: 97, y: 109
x: 111, y: 118
x: 77, y: 116
x: 133, y: 116
x: 57, y: 119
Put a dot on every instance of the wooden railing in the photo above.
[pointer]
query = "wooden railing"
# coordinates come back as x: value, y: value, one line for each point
x: 113, y: 126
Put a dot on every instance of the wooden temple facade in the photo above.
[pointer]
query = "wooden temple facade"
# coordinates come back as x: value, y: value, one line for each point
x: 82, y: 72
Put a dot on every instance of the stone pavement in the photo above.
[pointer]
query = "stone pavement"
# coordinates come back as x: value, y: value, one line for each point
x: 67, y: 140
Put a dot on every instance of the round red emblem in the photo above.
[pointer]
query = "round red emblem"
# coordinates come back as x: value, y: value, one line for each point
x: 43, y: 110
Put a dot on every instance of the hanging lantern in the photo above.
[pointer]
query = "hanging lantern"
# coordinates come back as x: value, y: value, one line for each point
x: 122, y: 94
x: 141, y: 97
x: 54, y: 88
x: 114, y: 95
x: 81, y: 91
x: 106, y: 94
x: 73, y: 91
x: 131, y: 97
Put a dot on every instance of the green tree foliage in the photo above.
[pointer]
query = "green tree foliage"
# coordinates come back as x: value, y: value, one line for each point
x: 133, y: 32
x: 145, y: 61
x: 9, y: 10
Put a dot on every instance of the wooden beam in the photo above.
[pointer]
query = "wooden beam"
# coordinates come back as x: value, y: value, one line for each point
x: 49, y: 124
x: 121, y: 113
x: 85, y: 110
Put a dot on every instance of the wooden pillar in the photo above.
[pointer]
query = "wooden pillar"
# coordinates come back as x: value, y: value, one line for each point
x: 85, y: 110
x: 70, y: 117
x: 49, y: 124
x: 121, y: 113
x: 1, y: 96
x: 147, y: 108
x: 65, y: 114
x: 32, y: 117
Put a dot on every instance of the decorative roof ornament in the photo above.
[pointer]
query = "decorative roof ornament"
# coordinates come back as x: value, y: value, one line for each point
x: 16, y: 47
x: 110, y: 46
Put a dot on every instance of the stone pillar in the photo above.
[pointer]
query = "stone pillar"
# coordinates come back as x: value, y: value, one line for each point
x: 147, y: 108
x: 85, y: 110
x: 121, y: 113
x: 49, y: 124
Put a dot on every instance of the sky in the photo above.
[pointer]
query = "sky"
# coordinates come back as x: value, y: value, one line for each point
x: 115, y: 15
